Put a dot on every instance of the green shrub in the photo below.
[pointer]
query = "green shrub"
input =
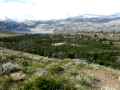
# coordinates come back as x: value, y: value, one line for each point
x: 44, y: 83
x: 56, y: 69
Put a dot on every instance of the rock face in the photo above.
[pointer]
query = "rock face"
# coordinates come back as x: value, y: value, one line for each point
x: 9, y: 67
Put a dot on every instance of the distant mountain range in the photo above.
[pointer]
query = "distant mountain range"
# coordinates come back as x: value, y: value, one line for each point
x: 75, y: 24
x: 13, y: 26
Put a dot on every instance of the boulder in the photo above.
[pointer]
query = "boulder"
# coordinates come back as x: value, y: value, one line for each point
x: 9, y: 67
x: 17, y: 76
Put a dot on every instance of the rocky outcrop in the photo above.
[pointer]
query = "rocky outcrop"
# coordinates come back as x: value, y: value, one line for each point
x: 9, y: 67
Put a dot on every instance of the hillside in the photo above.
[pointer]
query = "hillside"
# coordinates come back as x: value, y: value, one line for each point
x: 59, y: 61
x: 42, y: 73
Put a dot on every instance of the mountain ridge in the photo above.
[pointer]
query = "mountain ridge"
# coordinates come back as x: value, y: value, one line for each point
x: 87, y: 22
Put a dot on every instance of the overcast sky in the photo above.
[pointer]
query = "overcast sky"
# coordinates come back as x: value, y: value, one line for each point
x: 55, y: 9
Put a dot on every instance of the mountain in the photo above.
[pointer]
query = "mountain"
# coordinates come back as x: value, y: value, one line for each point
x: 90, y: 23
x: 13, y: 26
x: 87, y: 22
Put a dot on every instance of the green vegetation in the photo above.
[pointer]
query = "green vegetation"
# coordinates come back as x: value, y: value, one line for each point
x: 57, y: 62
x: 100, y: 51
x: 44, y: 83
x: 45, y: 73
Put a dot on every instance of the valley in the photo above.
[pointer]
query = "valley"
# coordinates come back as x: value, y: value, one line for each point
x: 59, y: 44
x: 76, y: 53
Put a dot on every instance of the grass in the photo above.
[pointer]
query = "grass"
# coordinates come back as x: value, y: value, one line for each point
x: 8, y: 34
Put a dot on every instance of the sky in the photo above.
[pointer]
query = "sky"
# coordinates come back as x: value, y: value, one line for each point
x: 55, y: 9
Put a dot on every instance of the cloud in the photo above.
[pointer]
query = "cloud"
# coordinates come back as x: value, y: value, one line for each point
x: 55, y: 9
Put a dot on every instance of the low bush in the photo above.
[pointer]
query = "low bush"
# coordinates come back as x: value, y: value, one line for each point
x: 44, y: 83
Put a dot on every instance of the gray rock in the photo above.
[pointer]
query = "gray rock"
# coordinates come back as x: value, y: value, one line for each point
x: 41, y: 72
x: 10, y: 67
